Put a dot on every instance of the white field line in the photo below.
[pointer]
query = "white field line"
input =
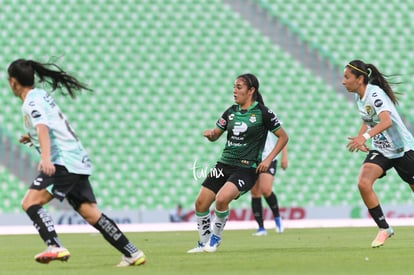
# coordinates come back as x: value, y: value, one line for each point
x: 191, y: 226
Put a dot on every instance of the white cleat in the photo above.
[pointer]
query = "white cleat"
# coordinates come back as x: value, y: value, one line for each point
x: 212, y: 243
x: 260, y: 232
x: 198, y: 249
x: 138, y: 258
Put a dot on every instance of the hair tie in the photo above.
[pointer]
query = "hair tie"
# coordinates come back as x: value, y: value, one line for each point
x: 357, y: 69
x: 369, y: 72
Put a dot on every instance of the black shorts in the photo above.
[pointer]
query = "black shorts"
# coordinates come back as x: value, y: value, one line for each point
x: 403, y: 165
x: 243, y: 178
x: 63, y: 184
x: 272, y: 168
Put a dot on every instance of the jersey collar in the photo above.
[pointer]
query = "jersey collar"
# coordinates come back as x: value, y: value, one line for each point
x: 248, y: 109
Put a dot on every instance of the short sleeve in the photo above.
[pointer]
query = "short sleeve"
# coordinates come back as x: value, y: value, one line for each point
x: 379, y: 101
x: 270, y: 120
x: 223, y: 120
x: 36, y: 113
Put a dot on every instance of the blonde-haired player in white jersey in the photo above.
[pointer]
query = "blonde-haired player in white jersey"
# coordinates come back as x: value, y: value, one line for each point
x: 263, y: 187
x: 392, y: 143
x: 64, y: 164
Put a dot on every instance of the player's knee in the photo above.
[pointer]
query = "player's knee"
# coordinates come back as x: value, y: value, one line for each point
x: 255, y: 193
x: 364, y: 184
x: 267, y: 192
x: 28, y: 201
x: 90, y: 212
x: 222, y: 202
x: 201, y: 205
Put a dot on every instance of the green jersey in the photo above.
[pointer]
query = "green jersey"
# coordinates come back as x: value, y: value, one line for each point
x: 246, y: 133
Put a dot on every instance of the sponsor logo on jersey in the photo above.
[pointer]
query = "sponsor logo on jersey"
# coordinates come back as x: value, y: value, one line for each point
x: 381, y: 142
x: 378, y: 103
x: 86, y: 160
x: 35, y: 114
x: 231, y: 116
x: 239, y: 127
x: 222, y: 122
x: 275, y: 121
x: 246, y: 162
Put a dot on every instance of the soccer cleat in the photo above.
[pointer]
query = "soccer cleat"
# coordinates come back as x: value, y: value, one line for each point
x: 382, y: 235
x: 199, y: 248
x: 279, y: 226
x: 137, y: 258
x: 212, y: 244
x: 260, y: 232
x: 53, y: 253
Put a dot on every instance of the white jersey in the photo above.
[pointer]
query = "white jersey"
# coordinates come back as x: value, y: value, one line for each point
x: 394, y: 141
x: 271, y: 140
x: 66, y: 150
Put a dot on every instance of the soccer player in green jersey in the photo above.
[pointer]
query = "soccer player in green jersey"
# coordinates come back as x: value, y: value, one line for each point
x: 247, y: 124
x: 64, y: 163
x: 392, y: 143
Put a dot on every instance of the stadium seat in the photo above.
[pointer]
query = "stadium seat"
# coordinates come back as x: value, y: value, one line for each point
x: 163, y: 72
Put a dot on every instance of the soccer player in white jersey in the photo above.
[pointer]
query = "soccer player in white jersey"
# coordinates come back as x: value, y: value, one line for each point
x: 64, y: 164
x: 263, y: 187
x: 392, y: 143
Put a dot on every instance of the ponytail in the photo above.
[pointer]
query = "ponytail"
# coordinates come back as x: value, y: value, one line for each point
x: 24, y: 71
x: 379, y: 79
x: 373, y: 76
x: 258, y: 97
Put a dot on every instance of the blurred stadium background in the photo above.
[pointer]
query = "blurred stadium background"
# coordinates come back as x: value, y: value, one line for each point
x: 163, y: 70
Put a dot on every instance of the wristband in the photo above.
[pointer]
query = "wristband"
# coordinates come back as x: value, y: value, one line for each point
x: 366, y: 136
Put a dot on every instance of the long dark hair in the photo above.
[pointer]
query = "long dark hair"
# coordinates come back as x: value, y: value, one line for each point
x: 24, y: 71
x: 251, y: 81
x: 372, y: 75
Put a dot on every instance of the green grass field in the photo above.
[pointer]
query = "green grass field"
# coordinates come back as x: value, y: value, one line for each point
x: 296, y: 251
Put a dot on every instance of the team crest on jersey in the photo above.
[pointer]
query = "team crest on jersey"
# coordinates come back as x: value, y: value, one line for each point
x: 252, y: 118
x: 368, y: 109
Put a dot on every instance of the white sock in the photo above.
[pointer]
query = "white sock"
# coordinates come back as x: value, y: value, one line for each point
x: 220, y: 220
x: 204, y: 226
